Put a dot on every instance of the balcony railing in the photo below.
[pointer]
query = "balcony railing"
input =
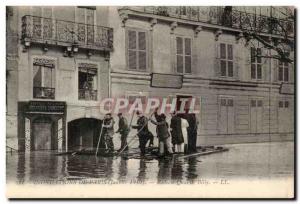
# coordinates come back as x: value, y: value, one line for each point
x: 223, y: 17
x: 88, y: 95
x: 59, y: 32
x: 44, y: 92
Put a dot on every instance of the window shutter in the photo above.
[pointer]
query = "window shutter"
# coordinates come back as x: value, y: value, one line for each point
x: 265, y: 65
x: 179, y: 54
x: 188, y: 52
x: 132, y: 39
x: 132, y: 57
x: 291, y: 71
x: 217, y: 60
x: 142, y: 50
x: 275, y: 70
x: 236, y: 61
x: 142, y: 40
x: 187, y: 45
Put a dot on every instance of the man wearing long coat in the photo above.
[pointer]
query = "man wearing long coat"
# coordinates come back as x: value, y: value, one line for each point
x: 176, y: 132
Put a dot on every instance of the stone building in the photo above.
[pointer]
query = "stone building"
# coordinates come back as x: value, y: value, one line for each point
x: 201, y: 52
x: 61, y: 61
x: 57, y: 70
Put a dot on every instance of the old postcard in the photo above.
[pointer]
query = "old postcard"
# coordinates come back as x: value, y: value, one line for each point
x: 150, y: 101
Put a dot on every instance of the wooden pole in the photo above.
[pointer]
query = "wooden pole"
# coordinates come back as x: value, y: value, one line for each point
x: 99, y: 138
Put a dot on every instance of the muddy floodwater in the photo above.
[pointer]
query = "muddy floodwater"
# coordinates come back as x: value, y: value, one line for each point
x: 251, y: 161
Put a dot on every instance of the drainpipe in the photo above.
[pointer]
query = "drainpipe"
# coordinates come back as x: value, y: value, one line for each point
x: 109, y: 78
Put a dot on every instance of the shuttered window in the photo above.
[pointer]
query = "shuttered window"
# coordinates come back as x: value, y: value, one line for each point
x: 183, y: 55
x: 226, y: 60
x: 137, y: 50
x: 256, y: 63
x: 283, y: 71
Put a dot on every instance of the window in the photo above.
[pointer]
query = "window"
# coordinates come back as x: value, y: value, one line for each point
x: 227, y: 102
x: 183, y: 55
x: 42, y: 27
x: 226, y: 60
x: 43, y: 79
x: 283, y: 104
x: 283, y: 71
x: 256, y: 103
x: 256, y: 63
x: 87, y: 82
x: 137, y: 50
x: 86, y: 20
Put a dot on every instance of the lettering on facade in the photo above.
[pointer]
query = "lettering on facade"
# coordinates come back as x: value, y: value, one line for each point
x: 46, y: 106
x: 166, y: 81
x: 44, y: 62
x: 87, y: 65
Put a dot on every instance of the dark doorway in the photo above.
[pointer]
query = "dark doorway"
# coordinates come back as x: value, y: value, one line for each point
x: 179, y: 102
x: 83, y: 134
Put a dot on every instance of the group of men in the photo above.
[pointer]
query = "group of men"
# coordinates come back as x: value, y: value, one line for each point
x: 182, y: 137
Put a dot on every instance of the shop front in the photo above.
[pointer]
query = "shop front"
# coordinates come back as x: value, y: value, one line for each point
x: 41, y: 125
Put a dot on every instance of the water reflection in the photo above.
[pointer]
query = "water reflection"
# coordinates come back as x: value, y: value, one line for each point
x: 192, y: 173
x: 123, y: 170
x: 142, y: 171
x: 265, y: 160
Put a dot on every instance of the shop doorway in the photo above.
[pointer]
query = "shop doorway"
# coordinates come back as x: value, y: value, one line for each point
x: 42, y: 133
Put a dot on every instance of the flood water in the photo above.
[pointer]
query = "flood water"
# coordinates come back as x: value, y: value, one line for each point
x: 249, y: 161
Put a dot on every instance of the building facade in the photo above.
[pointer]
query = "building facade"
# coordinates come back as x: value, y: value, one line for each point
x: 200, y: 52
x: 61, y: 61
x: 57, y: 70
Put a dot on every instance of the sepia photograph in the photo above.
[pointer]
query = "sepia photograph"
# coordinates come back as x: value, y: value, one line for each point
x: 150, y: 102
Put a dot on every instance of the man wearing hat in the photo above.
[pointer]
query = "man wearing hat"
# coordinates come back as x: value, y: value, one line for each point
x: 108, y: 131
x: 143, y: 131
x: 123, y: 130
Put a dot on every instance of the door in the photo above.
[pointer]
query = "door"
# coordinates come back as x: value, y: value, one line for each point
x: 284, y: 120
x: 223, y: 116
x: 42, y: 132
x: 256, y: 116
x: 226, y: 116
x: 180, y: 99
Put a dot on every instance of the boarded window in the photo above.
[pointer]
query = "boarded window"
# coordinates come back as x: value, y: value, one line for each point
x: 183, y: 55
x: 137, y: 50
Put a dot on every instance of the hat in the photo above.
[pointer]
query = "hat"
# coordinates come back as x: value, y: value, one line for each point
x: 119, y: 114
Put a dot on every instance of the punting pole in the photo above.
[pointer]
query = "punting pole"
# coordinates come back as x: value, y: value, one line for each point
x: 99, y: 138
x: 135, y: 134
